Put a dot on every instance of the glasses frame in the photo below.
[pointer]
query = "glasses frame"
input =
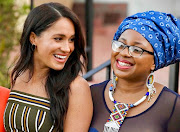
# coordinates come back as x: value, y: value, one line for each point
x: 125, y: 45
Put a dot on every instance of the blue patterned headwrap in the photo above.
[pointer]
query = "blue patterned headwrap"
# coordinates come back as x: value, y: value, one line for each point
x: 162, y: 30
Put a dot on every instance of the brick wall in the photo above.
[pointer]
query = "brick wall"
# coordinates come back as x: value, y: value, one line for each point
x: 104, y: 14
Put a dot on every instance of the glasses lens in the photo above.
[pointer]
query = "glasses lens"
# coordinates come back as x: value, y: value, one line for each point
x: 135, y: 51
x: 117, y: 46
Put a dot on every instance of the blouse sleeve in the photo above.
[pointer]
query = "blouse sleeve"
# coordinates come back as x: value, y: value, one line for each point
x: 174, y: 121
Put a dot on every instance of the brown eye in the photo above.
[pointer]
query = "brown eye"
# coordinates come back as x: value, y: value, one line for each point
x: 135, y: 51
x: 71, y: 40
x: 57, y: 39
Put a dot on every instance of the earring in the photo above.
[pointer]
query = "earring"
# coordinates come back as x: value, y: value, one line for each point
x: 150, y: 85
x: 112, y: 87
x: 33, y: 47
x: 114, y: 81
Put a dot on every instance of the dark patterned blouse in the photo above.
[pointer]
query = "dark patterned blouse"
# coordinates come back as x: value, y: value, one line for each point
x: 162, y: 116
x: 27, y: 113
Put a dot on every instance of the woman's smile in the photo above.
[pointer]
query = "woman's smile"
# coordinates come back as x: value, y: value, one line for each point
x: 123, y: 64
x: 60, y: 58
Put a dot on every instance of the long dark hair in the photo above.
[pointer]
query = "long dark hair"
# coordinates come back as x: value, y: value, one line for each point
x: 58, y: 82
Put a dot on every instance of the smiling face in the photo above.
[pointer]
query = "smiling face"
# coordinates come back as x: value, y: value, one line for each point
x: 54, y: 45
x: 126, y: 66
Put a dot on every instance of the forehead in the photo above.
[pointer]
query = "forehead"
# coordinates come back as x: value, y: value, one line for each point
x: 62, y: 26
x: 135, y: 38
x: 131, y: 34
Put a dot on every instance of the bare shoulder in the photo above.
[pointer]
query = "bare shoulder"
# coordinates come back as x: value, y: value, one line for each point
x: 80, y: 107
x: 79, y: 85
x: 158, y: 87
x: 79, y: 90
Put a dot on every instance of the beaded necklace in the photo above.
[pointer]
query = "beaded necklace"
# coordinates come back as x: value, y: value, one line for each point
x: 119, y: 112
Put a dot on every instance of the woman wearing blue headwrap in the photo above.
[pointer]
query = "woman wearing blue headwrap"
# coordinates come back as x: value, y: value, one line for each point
x: 132, y: 101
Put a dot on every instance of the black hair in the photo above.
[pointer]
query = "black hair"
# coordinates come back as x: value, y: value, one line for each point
x: 57, y: 85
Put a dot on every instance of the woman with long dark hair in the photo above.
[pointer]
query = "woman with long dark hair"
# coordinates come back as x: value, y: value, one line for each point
x: 47, y: 92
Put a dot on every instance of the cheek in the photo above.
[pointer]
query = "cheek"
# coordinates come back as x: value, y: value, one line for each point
x: 145, y: 63
x: 113, y: 56
x: 113, y: 59
x: 44, y: 50
x: 150, y: 60
x: 43, y: 45
x: 72, y: 47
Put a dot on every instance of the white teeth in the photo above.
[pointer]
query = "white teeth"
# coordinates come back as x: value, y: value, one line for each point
x: 123, y: 64
x: 60, y: 56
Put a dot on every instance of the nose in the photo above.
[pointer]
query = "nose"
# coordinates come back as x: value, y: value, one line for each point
x: 125, y: 52
x: 65, y: 47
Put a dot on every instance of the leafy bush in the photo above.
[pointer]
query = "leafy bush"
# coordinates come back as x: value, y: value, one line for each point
x: 9, y: 36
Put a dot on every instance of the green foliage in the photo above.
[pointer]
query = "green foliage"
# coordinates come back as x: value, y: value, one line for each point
x: 9, y: 15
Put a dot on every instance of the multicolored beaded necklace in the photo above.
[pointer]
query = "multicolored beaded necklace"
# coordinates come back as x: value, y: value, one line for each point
x: 119, y: 112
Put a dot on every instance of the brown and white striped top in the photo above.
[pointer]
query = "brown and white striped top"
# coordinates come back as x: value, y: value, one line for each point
x: 27, y: 113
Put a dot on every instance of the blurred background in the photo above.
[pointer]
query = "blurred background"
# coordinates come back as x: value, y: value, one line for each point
x: 99, y: 18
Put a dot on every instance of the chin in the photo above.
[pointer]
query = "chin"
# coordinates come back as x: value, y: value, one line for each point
x: 58, y: 68
x: 122, y: 74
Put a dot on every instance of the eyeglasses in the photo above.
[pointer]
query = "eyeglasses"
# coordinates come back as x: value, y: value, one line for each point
x: 134, y: 51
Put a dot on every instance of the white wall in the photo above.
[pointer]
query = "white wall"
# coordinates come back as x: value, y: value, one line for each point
x: 168, y: 6
x: 134, y: 6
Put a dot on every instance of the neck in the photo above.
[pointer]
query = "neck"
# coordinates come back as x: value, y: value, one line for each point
x: 39, y: 75
x: 129, y: 92
x: 131, y: 87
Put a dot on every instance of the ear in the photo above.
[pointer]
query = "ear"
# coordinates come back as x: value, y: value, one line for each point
x: 153, y: 67
x: 32, y: 38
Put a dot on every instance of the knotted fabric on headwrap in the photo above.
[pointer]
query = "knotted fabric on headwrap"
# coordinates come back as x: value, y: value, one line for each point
x: 162, y: 30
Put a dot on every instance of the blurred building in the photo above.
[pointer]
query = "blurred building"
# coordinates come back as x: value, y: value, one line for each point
x: 108, y: 14
x: 68, y: 3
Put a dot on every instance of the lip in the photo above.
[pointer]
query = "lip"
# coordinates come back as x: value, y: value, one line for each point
x: 61, y: 60
x: 123, y: 67
x: 61, y: 54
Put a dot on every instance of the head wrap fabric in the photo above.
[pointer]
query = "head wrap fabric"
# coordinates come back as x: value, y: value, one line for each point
x: 162, y: 30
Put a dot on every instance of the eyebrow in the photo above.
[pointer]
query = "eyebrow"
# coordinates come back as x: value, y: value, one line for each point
x: 138, y: 43
x: 62, y: 35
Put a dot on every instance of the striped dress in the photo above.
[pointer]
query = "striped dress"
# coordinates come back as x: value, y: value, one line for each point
x: 27, y: 113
